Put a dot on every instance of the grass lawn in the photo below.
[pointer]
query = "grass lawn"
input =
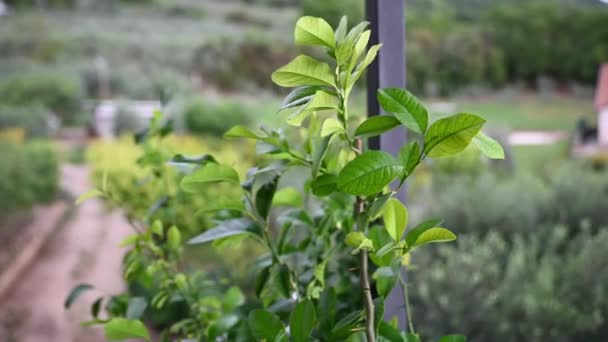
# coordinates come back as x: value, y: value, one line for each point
x: 531, y: 112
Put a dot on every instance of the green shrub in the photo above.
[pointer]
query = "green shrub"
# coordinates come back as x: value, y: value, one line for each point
x: 60, y: 94
x: 568, y: 194
x: 332, y: 11
x: 202, y: 117
x: 233, y: 64
x: 28, y: 175
x: 34, y: 120
x: 538, y: 286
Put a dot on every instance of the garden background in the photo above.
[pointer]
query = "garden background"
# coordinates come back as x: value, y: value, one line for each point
x: 529, y: 263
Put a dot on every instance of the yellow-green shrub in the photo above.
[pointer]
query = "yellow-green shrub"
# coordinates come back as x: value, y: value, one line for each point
x: 136, y: 189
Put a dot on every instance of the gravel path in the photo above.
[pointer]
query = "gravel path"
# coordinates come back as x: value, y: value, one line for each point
x: 84, y: 250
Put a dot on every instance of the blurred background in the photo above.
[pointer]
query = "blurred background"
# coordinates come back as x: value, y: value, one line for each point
x: 79, y: 77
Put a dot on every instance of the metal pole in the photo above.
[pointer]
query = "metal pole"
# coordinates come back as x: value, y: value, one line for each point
x: 387, y: 19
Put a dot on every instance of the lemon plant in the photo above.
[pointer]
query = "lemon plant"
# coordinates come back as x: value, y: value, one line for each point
x: 322, y: 204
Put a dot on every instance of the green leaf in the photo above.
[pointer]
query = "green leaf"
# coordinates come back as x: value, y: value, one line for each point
x: 406, y: 107
x: 331, y: 126
x: 264, y: 196
x: 417, y: 237
x: 96, y: 306
x: 354, y: 239
x: 233, y: 298
x: 302, y: 321
x: 210, y: 173
x: 359, y: 241
x: 129, y: 240
x: 88, y: 195
x: 409, y: 157
x: 174, y: 238
x: 369, y: 58
x: 180, y: 159
x: 368, y: 173
x: 451, y: 135
x: 320, y: 147
x: 261, y: 280
x: 227, y: 228
x: 488, y: 146
x: 341, y: 30
x: 361, y: 44
x: 122, y: 329
x: 265, y: 325
x: 395, y: 215
x: 324, y: 185
x: 304, y: 71
x: 390, y: 333
x: 314, y: 31
x: 386, y: 278
x: 136, y: 307
x: 289, y: 197
x: 75, y: 293
x: 241, y: 132
x: 453, y: 338
x: 376, y: 125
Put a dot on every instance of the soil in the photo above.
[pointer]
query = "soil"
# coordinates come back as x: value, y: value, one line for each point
x: 85, y: 250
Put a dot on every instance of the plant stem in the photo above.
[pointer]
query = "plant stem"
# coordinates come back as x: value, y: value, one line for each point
x: 370, y: 330
x: 408, y: 310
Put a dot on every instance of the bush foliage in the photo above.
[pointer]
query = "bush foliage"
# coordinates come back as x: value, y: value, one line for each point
x: 29, y: 174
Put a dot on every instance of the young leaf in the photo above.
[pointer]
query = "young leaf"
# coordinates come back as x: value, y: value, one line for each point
x: 264, y: 325
x: 136, y: 307
x: 227, y: 228
x: 452, y: 338
x: 420, y: 236
x: 361, y: 44
x: 289, y: 197
x: 75, y: 293
x: 331, y: 126
x: 88, y: 195
x: 210, y: 173
x: 341, y: 30
x: 406, y: 107
x: 395, y: 218
x: 451, y: 135
x: 241, y: 132
x: 368, y: 173
x: 488, y: 146
x: 122, y: 329
x: 174, y: 238
x: 369, y: 58
x: 233, y: 298
x: 261, y: 280
x: 322, y: 100
x: 354, y: 239
x: 302, y: 321
x: 376, y: 125
x: 324, y: 185
x: 303, y: 71
x: 298, y: 97
x: 314, y: 31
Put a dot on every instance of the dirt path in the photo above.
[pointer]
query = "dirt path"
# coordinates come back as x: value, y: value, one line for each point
x: 84, y: 250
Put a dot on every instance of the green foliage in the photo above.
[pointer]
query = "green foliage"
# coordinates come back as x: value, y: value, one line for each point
x: 57, y: 93
x: 310, y: 243
x: 29, y: 174
x: 541, y: 285
x: 34, y: 120
x: 203, y: 117
x: 568, y: 194
x: 332, y: 11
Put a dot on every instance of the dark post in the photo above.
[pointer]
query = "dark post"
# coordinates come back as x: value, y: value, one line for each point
x: 387, y: 19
